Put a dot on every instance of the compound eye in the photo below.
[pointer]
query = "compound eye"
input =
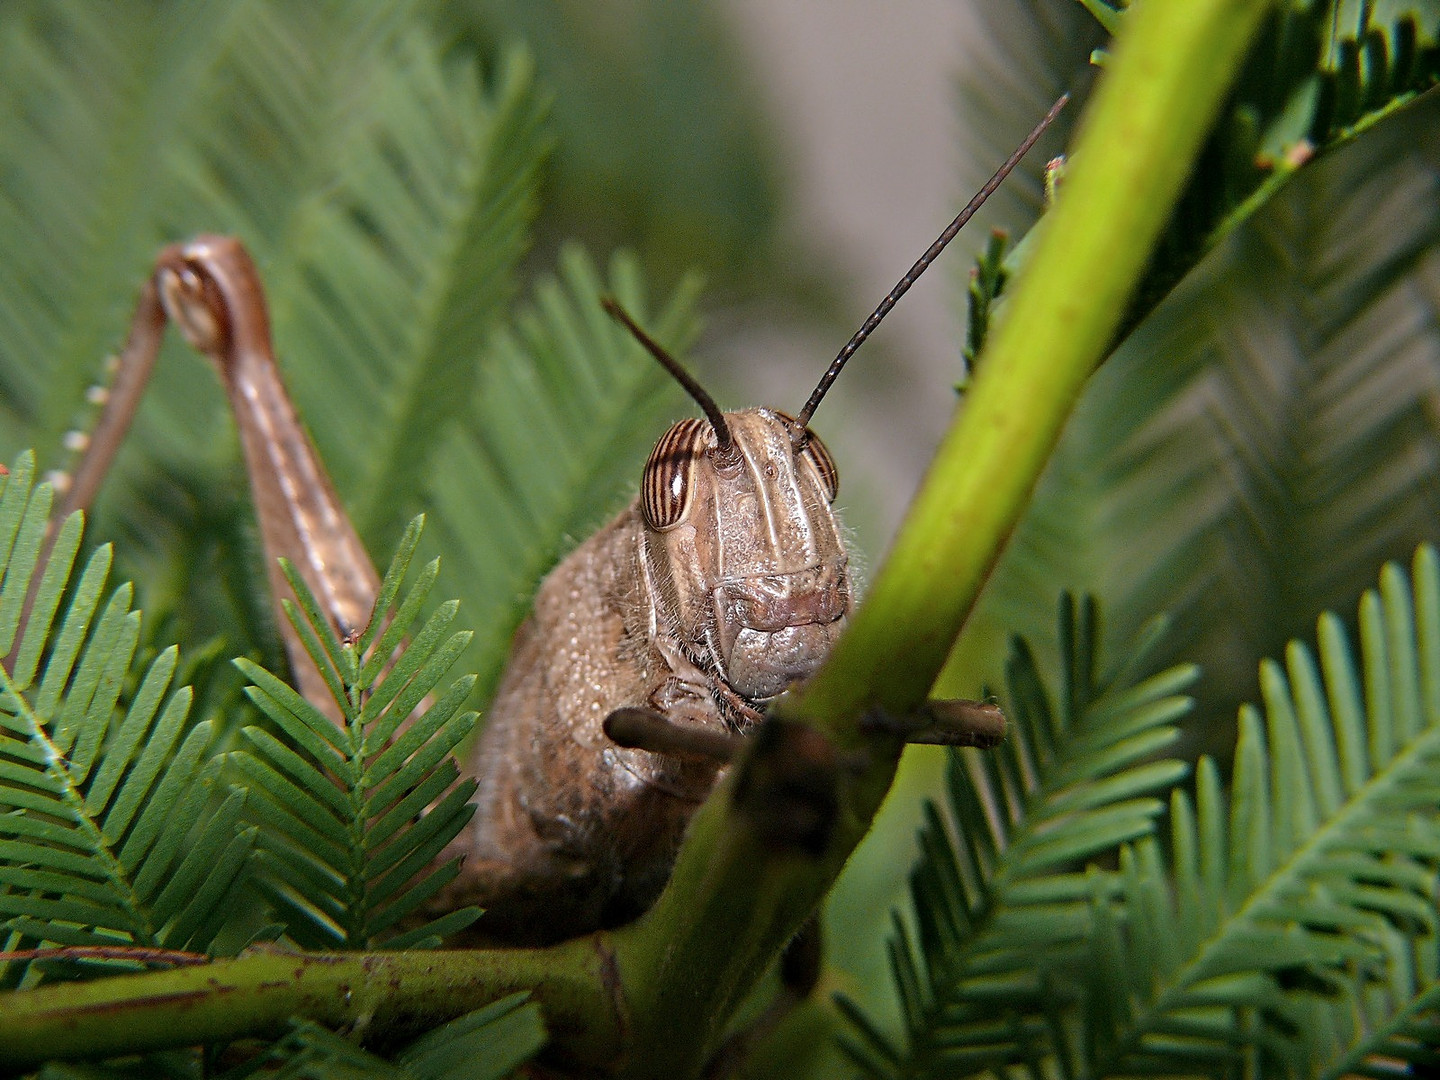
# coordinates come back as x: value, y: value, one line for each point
x: 824, y: 464
x: 667, y: 483
x: 815, y: 451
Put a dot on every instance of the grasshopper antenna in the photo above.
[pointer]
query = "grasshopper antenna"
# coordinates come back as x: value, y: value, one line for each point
x: 931, y: 254
x: 725, y: 442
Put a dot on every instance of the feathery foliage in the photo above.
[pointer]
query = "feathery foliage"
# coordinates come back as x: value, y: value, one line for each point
x: 126, y: 840
x: 384, y: 186
x: 1263, y: 440
x: 1321, y: 71
x: 352, y: 815
x: 1297, y: 918
x: 660, y: 141
x: 552, y: 443
x: 1075, y: 780
x: 1289, y: 929
x: 108, y: 832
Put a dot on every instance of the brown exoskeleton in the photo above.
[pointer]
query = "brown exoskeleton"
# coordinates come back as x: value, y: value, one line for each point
x: 724, y: 583
x: 650, y: 648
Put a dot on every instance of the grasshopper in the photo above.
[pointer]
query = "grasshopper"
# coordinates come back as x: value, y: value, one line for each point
x: 651, y: 648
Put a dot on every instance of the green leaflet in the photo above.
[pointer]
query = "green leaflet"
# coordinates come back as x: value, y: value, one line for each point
x: 385, y: 187
x: 352, y: 816
x: 117, y: 828
x: 1265, y: 428
x: 148, y: 114
x: 1311, y: 895
x: 998, y: 890
x: 114, y: 829
x: 1289, y: 928
x: 567, y: 407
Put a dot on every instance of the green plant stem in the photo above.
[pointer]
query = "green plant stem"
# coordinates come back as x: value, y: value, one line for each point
x: 735, y: 898
x: 733, y: 902
x: 384, y: 995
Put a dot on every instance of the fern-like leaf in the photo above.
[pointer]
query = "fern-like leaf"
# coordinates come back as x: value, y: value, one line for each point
x: 106, y: 833
x: 1264, y: 440
x: 353, y: 815
x: 1294, y: 927
x: 661, y: 141
x: 1073, y: 782
x: 384, y: 184
x: 1277, y: 117
x: 395, y: 274
x: 119, y: 102
x: 1288, y: 929
x: 484, y: 1045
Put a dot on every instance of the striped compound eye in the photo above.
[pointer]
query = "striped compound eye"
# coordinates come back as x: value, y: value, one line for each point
x: 824, y: 464
x: 818, y: 456
x: 665, y: 487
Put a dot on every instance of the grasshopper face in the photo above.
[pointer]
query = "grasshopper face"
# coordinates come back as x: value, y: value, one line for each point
x: 746, y: 550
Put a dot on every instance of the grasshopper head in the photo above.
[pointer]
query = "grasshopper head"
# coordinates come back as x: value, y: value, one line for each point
x: 746, y: 547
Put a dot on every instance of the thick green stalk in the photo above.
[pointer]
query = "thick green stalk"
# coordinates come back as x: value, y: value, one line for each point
x: 737, y: 894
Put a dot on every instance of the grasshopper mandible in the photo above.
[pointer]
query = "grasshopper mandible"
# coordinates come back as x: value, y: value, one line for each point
x: 650, y: 648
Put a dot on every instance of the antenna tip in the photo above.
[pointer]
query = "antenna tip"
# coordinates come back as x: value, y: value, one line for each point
x: 620, y: 315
